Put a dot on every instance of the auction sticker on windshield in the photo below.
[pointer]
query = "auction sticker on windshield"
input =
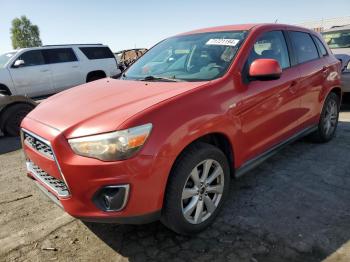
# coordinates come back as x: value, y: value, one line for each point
x: 226, y: 42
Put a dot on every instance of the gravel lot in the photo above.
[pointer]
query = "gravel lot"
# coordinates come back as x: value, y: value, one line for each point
x: 293, y: 207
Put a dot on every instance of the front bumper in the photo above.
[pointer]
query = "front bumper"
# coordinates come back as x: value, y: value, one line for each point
x: 85, y: 177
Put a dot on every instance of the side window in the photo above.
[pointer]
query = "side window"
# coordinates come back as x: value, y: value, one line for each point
x: 305, y: 48
x: 320, y: 45
x: 60, y: 55
x: 97, y: 52
x: 271, y: 45
x: 32, y: 58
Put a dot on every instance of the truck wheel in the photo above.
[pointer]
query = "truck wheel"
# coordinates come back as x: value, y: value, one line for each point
x: 328, y: 120
x: 13, y: 116
x: 197, y: 188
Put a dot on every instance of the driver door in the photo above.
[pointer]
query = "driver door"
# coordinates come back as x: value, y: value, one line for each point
x: 33, y: 78
x: 271, y: 108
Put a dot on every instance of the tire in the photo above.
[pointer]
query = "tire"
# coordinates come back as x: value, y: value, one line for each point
x: 328, y: 122
x: 181, y: 184
x: 13, y: 116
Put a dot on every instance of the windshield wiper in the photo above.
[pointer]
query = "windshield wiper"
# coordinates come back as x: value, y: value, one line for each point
x: 158, y: 78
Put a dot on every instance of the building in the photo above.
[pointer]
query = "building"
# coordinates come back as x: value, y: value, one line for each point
x: 324, y: 24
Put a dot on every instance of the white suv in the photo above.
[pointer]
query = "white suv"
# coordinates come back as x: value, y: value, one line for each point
x: 41, y: 71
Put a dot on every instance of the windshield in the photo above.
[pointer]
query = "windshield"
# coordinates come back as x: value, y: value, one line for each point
x: 338, y: 39
x: 197, y: 57
x: 4, y: 58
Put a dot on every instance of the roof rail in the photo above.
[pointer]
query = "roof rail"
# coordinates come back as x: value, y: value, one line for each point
x: 70, y: 44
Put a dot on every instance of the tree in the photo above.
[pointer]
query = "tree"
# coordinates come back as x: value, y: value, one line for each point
x: 24, y: 33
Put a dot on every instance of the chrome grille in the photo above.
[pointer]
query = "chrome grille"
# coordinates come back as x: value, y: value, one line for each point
x: 43, y: 147
x: 56, y: 185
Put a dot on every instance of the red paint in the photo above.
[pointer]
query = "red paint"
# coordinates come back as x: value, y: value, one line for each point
x: 254, y: 117
x: 265, y: 67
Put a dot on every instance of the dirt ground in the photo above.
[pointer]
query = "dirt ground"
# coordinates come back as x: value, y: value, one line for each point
x: 293, y: 207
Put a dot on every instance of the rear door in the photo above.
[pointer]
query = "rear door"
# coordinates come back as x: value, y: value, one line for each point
x: 313, y: 70
x: 100, y: 58
x: 33, y: 78
x: 270, y: 109
x: 66, y: 71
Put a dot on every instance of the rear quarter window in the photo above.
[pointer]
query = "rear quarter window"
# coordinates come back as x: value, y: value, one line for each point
x: 97, y: 52
x: 323, y: 50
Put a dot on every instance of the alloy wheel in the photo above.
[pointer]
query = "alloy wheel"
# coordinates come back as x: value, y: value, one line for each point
x: 330, y: 117
x: 203, y: 191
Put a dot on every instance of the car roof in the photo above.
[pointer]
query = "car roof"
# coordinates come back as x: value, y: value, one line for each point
x: 245, y: 27
x: 222, y: 28
x: 62, y: 46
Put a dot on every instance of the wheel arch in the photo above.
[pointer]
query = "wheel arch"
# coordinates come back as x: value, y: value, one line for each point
x: 6, y: 90
x: 325, y: 93
x: 338, y: 91
x: 95, y: 73
x: 217, y: 139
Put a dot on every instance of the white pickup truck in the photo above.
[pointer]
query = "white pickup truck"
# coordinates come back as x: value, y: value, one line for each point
x: 41, y: 71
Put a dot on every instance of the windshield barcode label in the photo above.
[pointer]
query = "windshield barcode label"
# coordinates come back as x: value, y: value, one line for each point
x: 226, y: 42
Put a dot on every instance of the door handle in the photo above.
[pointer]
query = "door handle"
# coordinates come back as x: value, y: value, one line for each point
x: 75, y: 66
x: 44, y: 70
x: 293, y: 83
x: 292, y: 86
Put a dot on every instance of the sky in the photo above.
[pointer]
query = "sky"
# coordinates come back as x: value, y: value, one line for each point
x: 132, y: 23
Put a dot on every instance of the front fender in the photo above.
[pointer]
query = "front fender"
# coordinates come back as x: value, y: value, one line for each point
x: 179, y: 121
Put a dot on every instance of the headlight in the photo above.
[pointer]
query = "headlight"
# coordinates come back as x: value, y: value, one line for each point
x: 112, y: 146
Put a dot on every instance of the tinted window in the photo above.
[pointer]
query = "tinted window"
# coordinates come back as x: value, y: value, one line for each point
x: 32, y: 58
x: 59, y: 55
x: 321, y: 47
x: 305, y: 48
x: 271, y: 45
x: 97, y: 52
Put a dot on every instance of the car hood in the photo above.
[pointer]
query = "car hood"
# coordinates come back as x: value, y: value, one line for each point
x: 103, y: 105
x: 343, y: 54
x: 345, y: 51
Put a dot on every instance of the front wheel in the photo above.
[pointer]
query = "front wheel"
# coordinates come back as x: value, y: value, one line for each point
x: 197, y: 188
x: 13, y: 116
x: 328, y: 122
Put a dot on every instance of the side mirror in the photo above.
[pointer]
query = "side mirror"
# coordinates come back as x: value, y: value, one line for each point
x: 18, y: 63
x: 265, y: 69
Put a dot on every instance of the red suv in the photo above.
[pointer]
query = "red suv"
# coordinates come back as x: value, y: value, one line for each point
x: 163, y: 140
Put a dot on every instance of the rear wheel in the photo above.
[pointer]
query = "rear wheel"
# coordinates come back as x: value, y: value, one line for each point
x: 197, y: 188
x: 328, y: 123
x: 13, y: 116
